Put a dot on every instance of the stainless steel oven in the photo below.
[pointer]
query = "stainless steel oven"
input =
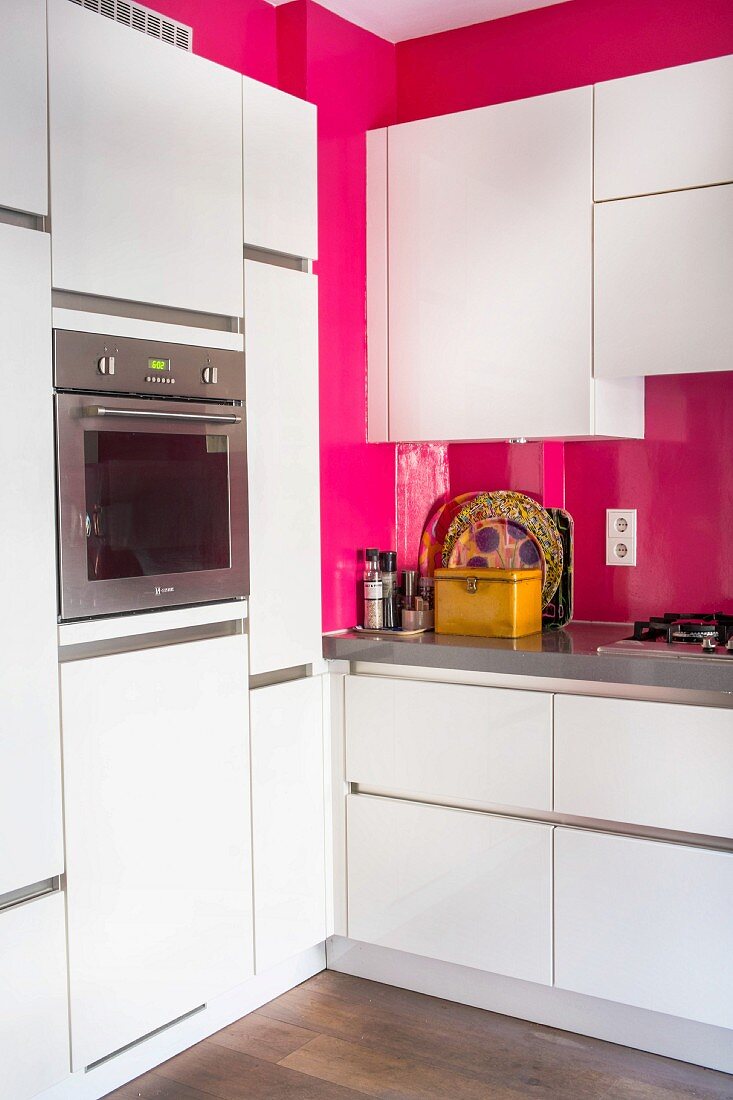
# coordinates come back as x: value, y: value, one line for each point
x: 152, y: 475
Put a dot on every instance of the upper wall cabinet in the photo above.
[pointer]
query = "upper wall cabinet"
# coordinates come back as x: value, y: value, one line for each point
x: 480, y: 293
x: 664, y: 222
x: 23, y: 167
x: 665, y: 130
x: 146, y: 167
x: 280, y: 171
x: 664, y: 283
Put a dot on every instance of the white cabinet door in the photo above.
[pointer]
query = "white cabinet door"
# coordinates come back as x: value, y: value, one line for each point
x: 281, y: 345
x: 490, y: 271
x: 280, y: 171
x: 658, y: 764
x: 288, y: 825
x: 157, y: 807
x: 34, y: 1018
x: 23, y: 156
x: 664, y: 130
x: 449, y: 741
x: 30, y: 765
x: 146, y: 167
x: 664, y: 283
x: 463, y: 887
x: 645, y: 924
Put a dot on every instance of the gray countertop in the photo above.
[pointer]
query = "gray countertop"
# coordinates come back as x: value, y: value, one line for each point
x: 569, y: 654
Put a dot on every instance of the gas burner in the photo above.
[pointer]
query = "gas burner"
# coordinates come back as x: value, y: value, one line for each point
x: 693, y: 630
x: 686, y: 629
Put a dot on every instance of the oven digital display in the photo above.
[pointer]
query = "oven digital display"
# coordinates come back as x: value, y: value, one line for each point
x: 159, y: 364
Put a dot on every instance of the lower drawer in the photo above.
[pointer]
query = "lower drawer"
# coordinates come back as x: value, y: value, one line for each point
x: 645, y: 923
x: 463, y: 887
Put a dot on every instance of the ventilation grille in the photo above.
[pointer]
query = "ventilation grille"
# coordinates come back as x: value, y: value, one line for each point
x: 142, y: 19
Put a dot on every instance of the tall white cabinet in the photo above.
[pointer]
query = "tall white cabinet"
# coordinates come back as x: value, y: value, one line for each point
x: 30, y: 767
x: 146, y: 167
x: 481, y: 289
x: 23, y: 157
x: 281, y: 347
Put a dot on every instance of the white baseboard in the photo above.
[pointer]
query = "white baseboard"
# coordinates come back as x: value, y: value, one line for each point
x: 224, y: 1010
x: 686, y: 1040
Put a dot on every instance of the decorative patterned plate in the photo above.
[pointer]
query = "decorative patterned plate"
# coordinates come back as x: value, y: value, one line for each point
x: 431, y: 544
x: 559, y: 611
x: 524, y: 513
x: 497, y: 544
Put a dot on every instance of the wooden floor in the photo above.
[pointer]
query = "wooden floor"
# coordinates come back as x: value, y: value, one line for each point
x: 338, y: 1038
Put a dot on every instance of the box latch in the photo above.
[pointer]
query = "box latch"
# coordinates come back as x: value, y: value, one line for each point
x: 472, y: 585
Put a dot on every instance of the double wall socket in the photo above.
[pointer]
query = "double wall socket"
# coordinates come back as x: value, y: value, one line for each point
x: 621, y: 536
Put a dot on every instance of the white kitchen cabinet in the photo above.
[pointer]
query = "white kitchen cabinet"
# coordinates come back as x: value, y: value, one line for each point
x: 280, y: 171
x: 664, y: 765
x: 645, y: 923
x: 34, y: 1019
x: 288, y: 819
x: 489, y: 257
x: 664, y: 283
x: 664, y: 130
x: 463, y: 887
x: 450, y: 741
x: 146, y: 167
x: 281, y: 347
x: 30, y: 751
x: 23, y: 138
x: 157, y: 810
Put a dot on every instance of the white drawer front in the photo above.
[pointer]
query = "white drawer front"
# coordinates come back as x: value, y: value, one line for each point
x: 449, y: 741
x: 645, y: 924
x: 658, y: 764
x: 448, y: 884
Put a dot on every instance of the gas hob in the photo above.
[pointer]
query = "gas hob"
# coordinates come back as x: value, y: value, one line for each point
x: 707, y: 637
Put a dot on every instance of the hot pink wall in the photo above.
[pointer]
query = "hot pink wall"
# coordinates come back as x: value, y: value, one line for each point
x: 350, y: 75
x: 680, y: 477
x: 240, y: 34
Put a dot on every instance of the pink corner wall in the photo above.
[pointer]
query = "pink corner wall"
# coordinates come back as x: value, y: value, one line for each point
x: 680, y: 478
x: 350, y: 75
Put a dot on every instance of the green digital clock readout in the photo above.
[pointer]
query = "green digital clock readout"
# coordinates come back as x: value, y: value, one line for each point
x: 159, y: 364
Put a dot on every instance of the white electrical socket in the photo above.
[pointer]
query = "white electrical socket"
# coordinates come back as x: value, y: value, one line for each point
x: 621, y: 536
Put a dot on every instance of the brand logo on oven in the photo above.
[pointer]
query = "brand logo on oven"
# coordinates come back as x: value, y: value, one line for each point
x: 162, y: 591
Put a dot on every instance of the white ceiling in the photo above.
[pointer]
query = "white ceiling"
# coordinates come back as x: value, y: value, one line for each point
x: 397, y: 20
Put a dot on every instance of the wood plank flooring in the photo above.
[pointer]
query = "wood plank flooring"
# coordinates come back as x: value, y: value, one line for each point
x: 339, y: 1038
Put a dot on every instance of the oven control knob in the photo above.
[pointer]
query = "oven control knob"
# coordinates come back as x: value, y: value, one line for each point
x: 729, y: 644
x: 210, y: 375
x: 106, y: 365
x: 709, y: 644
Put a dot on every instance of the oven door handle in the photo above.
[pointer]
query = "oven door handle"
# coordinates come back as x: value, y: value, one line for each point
x: 144, y: 414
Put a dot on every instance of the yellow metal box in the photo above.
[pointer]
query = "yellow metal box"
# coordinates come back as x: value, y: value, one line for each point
x: 488, y: 603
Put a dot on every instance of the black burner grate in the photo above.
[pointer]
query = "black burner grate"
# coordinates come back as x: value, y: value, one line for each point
x: 674, y: 627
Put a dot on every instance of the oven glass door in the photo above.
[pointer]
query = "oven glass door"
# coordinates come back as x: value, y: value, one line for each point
x: 152, y: 504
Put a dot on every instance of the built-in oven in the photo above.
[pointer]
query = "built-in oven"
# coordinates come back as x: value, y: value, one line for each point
x: 152, y: 475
